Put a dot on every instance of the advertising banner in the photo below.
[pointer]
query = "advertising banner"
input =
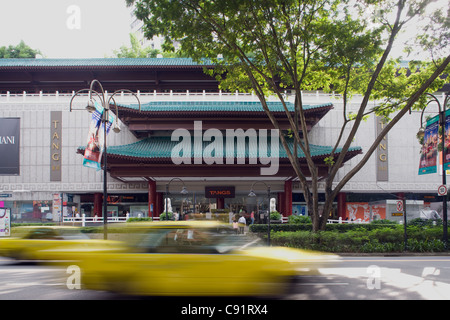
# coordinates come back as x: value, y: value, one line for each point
x: 10, y: 146
x: 428, y: 156
x: 94, y: 148
x: 5, y: 222
x: 447, y: 141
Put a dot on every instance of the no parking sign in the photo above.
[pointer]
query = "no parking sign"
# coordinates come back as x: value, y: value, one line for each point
x: 442, y: 190
x: 400, y: 205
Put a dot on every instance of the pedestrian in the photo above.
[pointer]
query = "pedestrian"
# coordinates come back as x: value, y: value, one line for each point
x: 252, y: 217
x: 242, y: 223
x: 235, y: 225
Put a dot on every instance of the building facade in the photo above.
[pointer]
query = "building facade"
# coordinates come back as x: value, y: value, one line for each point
x: 52, y: 183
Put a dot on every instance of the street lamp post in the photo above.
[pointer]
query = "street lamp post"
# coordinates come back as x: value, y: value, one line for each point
x: 105, y: 102
x: 253, y: 194
x: 183, y: 191
x: 421, y: 134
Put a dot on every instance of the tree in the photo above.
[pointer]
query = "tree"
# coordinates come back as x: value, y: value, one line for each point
x: 19, y: 51
x: 136, y: 50
x: 337, y: 45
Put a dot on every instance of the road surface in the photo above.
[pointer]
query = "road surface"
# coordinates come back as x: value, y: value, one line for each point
x: 354, y: 278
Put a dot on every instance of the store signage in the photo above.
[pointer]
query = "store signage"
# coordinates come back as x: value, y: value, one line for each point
x: 55, y: 145
x: 10, y: 146
x: 219, y: 192
x: 382, y: 152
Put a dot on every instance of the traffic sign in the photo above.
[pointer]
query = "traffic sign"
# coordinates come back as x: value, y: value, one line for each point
x: 400, y: 205
x: 442, y: 190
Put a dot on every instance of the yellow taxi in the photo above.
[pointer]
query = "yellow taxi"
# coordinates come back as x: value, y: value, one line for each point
x: 49, y: 242
x: 195, y: 258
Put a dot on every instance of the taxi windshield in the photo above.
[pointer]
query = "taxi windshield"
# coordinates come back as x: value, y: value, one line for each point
x: 192, y: 240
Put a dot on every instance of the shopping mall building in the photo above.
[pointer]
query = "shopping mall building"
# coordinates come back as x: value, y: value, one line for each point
x: 42, y: 142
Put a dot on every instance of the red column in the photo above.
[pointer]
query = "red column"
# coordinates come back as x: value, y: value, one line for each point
x: 159, y: 204
x: 98, y: 204
x: 288, y: 198
x: 281, y: 202
x: 151, y: 198
x: 220, y: 202
x: 342, y: 198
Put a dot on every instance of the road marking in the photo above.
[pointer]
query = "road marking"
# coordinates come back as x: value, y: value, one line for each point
x: 324, y: 284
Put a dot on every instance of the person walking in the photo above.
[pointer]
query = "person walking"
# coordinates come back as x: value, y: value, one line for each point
x: 242, y: 223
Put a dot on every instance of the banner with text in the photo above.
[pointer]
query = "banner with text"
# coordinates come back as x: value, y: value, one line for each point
x: 10, y: 146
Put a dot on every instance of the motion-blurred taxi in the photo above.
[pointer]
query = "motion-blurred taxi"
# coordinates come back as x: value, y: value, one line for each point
x: 48, y: 243
x: 195, y: 259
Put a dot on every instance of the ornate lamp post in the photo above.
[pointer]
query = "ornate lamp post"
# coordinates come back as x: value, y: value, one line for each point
x: 253, y: 194
x: 421, y: 134
x: 183, y: 191
x: 105, y: 103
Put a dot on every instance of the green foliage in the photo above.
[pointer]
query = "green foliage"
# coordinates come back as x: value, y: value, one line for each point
x: 362, y: 240
x: 299, y: 219
x: 19, y: 51
x: 136, y: 50
x: 275, y: 215
x: 163, y: 216
x: 140, y: 219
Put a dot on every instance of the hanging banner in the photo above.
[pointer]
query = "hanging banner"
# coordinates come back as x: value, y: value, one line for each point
x: 428, y: 157
x: 94, y: 148
x: 447, y: 141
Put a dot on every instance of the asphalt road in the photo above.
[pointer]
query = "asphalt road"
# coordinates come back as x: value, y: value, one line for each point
x: 354, y: 278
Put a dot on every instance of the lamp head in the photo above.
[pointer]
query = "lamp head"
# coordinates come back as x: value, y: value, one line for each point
x: 184, y: 190
x: 90, y: 106
x: 116, y: 128
x: 421, y: 133
x: 252, y: 193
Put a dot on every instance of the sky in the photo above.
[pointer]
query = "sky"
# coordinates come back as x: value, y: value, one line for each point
x: 76, y: 28
x: 66, y: 28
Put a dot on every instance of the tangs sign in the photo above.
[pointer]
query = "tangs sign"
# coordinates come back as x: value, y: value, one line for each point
x: 219, y: 192
x: 9, y: 146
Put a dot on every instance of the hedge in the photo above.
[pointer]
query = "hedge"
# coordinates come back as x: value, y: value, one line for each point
x: 338, y: 227
x: 382, y: 240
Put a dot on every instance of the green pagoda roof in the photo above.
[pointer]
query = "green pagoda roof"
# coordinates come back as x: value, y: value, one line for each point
x: 99, y: 62
x: 154, y: 148
x: 213, y: 106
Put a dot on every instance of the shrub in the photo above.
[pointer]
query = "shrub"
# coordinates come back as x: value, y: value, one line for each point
x: 140, y: 219
x: 163, y: 216
x: 275, y: 215
x: 298, y: 219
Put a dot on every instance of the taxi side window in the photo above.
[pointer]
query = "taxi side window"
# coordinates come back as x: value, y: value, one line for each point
x: 181, y: 240
x: 42, y: 233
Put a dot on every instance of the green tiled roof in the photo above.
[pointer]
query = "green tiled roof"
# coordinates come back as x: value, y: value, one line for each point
x: 161, y: 147
x: 208, y: 106
x: 99, y: 62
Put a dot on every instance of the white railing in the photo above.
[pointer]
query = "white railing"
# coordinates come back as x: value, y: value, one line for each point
x: 156, y: 96
x: 359, y: 221
x: 83, y: 219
